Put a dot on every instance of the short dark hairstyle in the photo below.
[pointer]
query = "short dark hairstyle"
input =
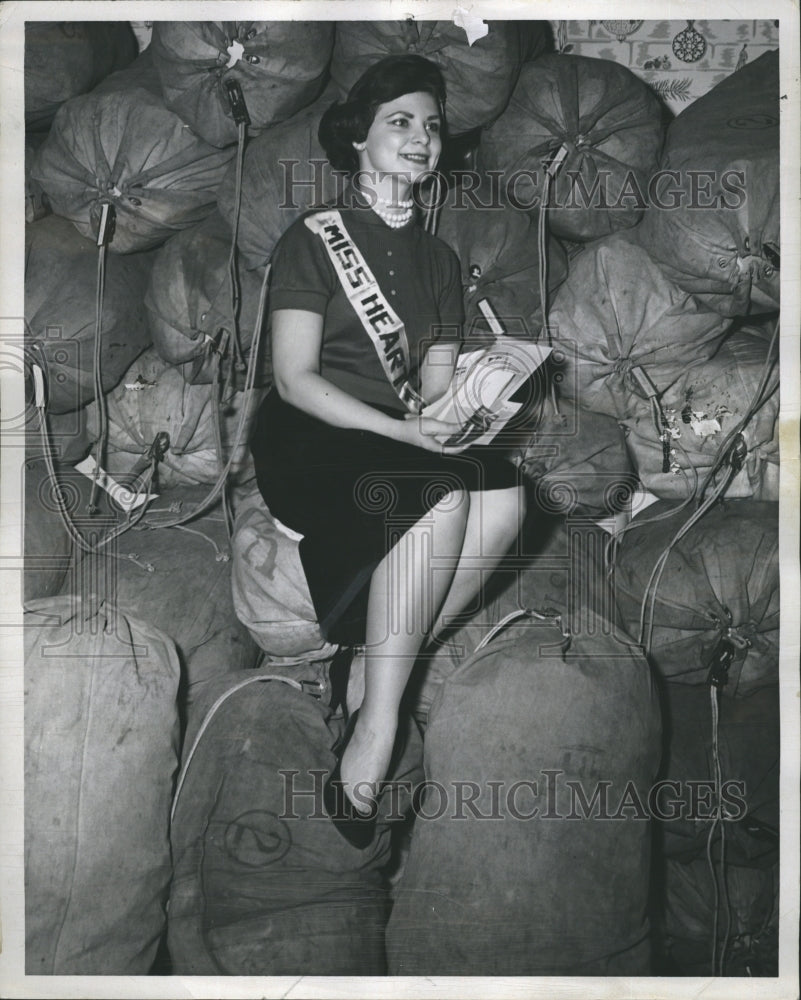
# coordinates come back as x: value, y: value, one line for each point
x: 349, y: 121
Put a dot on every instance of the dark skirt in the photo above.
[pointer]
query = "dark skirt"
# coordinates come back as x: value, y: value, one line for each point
x: 352, y: 494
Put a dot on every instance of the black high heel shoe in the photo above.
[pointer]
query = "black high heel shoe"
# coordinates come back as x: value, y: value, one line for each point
x: 356, y: 827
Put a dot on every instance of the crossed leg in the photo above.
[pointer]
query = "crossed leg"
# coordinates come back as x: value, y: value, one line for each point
x: 432, y: 574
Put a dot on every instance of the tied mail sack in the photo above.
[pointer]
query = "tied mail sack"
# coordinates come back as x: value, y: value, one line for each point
x: 285, y: 172
x: 61, y: 283
x: 197, y: 310
x: 738, y: 387
x: 714, y: 219
x: 101, y: 733
x: 529, y: 720
x: 577, y: 462
x: 140, y: 74
x: 207, y: 426
x: 717, y: 599
x: 270, y: 592
x: 264, y: 884
x: 121, y: 145
x: 66, y: 58
x: 192, y: 564
x: 280, y: 66
x: 624, y: 331
x: 480, y: 72
x: 607, y: 122
x: 499, y: 251
x: 563, y: 572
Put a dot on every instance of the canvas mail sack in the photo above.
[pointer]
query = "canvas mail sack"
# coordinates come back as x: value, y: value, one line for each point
x: 714, y: 223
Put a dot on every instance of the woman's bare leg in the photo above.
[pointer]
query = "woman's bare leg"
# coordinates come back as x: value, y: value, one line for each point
x: 406, y: 590
x: 493, y: 524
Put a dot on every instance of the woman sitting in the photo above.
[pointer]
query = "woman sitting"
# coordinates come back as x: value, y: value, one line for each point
x: 399, y: 529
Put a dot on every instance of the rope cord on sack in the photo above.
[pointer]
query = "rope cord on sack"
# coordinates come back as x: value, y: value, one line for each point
x: 726, y: 451
x: 105, y: 235
x: 610, y: 553
x: 47, y: 447
x: 709, y: 860
x: 660, y: 418
x: 755, y: 404
x: 651, y: 588
x: 555, y: 618
x: 219, y: 554
x: 542, y: 250
x: 551, y: 171
x: 718, y: 963
x: 726, y: 899
x: 207, y: 722
x: 726, y: 447
x: 660, y: 426
x: 719, y: 782
x: 499, y: 626
x: 215, y: 400
x: 102, y: 408
x: 667, y: 438
x: 542, y: 264
x: 250, y: 380
x: 233, y: 275
x: 613, y: 542
x: 233, y: 339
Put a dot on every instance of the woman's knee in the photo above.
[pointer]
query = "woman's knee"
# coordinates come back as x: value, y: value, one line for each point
x: 447, y: 521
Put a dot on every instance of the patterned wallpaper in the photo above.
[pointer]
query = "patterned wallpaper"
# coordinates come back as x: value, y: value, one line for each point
x: 681, y: 60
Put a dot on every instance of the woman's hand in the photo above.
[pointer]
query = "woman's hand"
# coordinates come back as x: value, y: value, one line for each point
x: 429, y: 433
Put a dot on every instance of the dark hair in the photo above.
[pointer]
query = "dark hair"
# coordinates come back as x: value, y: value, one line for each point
x: 345, y: 123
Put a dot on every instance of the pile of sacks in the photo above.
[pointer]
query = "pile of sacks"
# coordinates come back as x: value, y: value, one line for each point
x: 197, y: 618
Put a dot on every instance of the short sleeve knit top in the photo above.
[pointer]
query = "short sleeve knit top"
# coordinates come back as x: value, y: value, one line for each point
x: 418, y: 273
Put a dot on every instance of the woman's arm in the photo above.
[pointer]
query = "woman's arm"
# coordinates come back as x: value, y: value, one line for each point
x: 296, y: 341
x: 436, y: 371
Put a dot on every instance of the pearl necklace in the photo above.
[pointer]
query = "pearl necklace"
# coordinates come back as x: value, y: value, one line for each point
x: 392, y: 219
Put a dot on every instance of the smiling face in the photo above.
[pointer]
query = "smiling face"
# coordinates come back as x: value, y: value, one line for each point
x: 404, y: 139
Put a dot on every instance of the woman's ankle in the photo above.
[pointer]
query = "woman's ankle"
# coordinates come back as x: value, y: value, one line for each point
x: 367, y: 756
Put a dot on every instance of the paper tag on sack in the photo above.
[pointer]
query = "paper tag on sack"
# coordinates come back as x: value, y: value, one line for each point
x: 121, y: 495
x: 235, y: 52
x: 704, y: 426
x: 474, y: 26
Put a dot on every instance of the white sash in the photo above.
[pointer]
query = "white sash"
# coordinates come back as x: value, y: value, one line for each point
x: 379, y: 319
